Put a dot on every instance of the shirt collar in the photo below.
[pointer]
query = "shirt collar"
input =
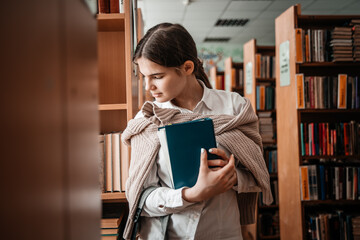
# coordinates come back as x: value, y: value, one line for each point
x: 206, y: 99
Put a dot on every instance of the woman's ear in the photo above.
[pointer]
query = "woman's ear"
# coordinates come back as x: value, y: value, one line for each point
x: 188, y: 67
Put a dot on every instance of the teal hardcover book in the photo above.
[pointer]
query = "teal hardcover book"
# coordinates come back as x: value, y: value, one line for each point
x: 181, y: 144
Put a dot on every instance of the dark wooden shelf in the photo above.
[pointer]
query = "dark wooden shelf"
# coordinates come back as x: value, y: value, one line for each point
x: 237, y: 88
x: 277, y: 236
x: 330, y: 202
x: 273, y: 175
x: 321, y: 111
x: 275, y: 206
x: 265, y: 80
x: 271, y: 110
x: 331, y: 157
x: 118, y: 197
x: 323, y: 21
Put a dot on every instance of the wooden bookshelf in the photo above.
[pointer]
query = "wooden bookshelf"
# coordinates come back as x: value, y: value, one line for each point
x: 293, y: 211
x: 234, y: 76
x: 217, y: 78
x: 120, y: 92
x: 255, y: 77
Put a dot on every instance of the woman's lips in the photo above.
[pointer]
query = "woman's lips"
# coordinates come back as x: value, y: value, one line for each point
x: 156, y: 95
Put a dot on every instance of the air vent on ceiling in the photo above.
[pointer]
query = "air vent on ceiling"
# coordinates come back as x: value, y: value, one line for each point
x: 233, y: 22
x: 216, y: 39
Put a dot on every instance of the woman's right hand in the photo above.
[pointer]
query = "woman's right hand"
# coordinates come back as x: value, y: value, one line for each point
x: 211, y: 183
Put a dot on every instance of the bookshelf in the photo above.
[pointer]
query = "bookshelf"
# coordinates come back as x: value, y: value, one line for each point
x: 49, y: 108
x: 296, y: 215
x: 121, y: 94
x: 260, y: 90
x: 217, y: 78
x: 234, y: 76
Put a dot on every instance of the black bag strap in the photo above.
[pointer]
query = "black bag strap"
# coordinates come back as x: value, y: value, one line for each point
x: 164, y: 220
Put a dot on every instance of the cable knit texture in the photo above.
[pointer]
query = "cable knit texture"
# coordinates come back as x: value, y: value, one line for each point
x: 239, y: 134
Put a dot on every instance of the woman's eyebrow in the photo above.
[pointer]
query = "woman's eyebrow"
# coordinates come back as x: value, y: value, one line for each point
x: 153, y: 74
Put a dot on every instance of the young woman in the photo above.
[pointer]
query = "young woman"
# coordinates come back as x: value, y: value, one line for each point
x: 167, y: 59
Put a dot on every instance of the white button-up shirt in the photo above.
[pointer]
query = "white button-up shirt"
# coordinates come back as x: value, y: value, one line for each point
x: 216, y: 218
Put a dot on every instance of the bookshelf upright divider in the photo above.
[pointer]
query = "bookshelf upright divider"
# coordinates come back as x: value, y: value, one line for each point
x: 119, y: 90
x: 296, y: 213
x: 234, y: 76
x: 260, y: 90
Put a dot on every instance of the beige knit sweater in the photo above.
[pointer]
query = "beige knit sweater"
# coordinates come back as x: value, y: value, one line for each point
x: 239, y: 134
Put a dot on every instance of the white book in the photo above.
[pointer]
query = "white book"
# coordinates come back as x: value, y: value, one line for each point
x: 115, y: 153
x: 108, y: 164
x: 121, y: 6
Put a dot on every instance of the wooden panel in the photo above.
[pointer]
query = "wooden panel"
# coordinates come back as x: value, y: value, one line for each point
x: 140, y: 34
x: 112, y: 107
x: 112, y: 77
x: 249, y: 56
x: 212, y: 79
x: 82, y: 123
x: 31, y: 166
x: 111, y: 22
x: 113, y: 121
x: 287, y: 132
x: 131, y: 83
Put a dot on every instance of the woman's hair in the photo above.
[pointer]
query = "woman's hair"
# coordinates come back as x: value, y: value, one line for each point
x: 170, y: 45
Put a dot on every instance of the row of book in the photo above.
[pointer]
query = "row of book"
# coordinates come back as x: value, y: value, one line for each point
x: 110, y: 6
x: 324, y: 45
x: 271, y: 160
x: 265, y: 66
x: 114, y: 162
x: 330, y: 138
x: 237, y: 80
x: 329, y: 226
x: 110, y: 228
x: 266, y: 127
x: 322, y: 182
x: 328, y: 92
x: 313, y: 45
x: 356, y: 38
x: 265, y: 97
x: 269, y: 224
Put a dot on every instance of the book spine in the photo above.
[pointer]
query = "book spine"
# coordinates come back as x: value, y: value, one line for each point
x: 342, y: 91
x: 300, y: 91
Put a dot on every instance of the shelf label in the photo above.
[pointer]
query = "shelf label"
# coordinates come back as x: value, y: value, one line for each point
x: 284, y: 64
x: 249, y: 78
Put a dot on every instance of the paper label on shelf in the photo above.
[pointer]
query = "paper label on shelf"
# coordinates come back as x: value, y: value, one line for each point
x: 249, y: 78
x: 228, y: 82
x: 284, y: 64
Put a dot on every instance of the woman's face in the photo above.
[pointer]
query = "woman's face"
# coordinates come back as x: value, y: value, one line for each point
x: 164, y: 83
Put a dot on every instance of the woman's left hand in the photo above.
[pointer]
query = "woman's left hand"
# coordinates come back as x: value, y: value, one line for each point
x: 216, y: 164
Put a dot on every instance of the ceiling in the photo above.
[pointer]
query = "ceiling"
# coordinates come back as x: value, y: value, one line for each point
x: 199, y: 16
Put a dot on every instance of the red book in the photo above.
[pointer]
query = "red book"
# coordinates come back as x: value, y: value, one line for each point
x: 346, y: 139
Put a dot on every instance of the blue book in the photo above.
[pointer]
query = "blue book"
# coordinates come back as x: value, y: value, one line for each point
x: 181, y: 144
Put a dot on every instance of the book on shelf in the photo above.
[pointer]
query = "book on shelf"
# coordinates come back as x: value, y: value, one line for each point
x: 110, y: 228
x: 108, y: 164
x: 114, y: 162
x: 110, y: 6
x: 324, y: 138
x: 300, y: 91
x: 101, y: 162
x: 115, y: 157
x: 124, y: 163
x: 327, y: 92
x: 181, y: 145
x: 342, y: 91
x: 103, y: 6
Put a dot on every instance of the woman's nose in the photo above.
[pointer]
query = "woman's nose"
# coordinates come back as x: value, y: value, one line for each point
x: 149, y: 85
